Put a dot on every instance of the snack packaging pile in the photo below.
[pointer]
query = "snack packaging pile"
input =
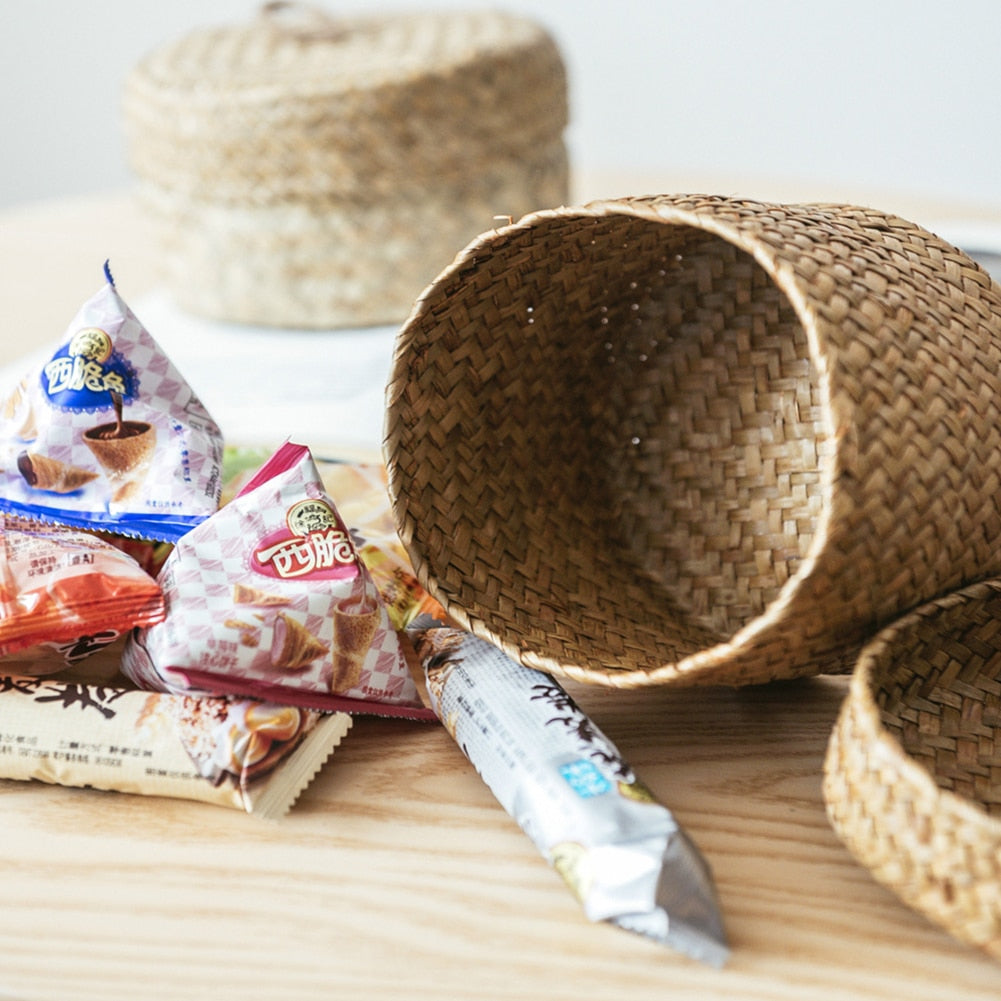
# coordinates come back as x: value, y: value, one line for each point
x: 622, y: 854
x: 269, y: 598
x: 108, y: 460
x: 69, y: 594
x: 106, y: 434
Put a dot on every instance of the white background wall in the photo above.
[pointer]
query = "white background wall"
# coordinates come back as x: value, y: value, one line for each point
x: 893, y: 94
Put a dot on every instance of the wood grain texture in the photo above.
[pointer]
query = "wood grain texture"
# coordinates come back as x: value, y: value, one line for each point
x: 397, y: 871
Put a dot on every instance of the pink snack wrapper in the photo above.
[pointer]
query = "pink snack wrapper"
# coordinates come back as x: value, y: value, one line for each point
x: 106, y: 434
x: 269, y: 598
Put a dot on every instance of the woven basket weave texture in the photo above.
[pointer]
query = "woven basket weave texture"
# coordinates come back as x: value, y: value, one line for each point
x: 913, y: 770
x: 317, y: 171
x: 691, y: 439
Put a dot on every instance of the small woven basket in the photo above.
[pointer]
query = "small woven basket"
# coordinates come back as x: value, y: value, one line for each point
x: 693, y: 439
x: 913, y: 770
x: 306, y: 170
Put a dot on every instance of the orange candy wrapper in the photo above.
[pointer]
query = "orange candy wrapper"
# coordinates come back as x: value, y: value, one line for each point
x: 68, y: 591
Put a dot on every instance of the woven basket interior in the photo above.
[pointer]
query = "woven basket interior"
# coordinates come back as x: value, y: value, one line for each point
x: 938, y: 689
x: 647, y: 433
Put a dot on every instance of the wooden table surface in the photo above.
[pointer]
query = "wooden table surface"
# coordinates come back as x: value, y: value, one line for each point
x: 397, y: 874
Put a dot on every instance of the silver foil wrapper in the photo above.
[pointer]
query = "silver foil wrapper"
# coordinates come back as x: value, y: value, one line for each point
x: 622, y: 853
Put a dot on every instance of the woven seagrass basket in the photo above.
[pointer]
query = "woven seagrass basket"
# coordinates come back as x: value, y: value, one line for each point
x: 687, y: 439
x: 307, y: 170
x: 913, y: 771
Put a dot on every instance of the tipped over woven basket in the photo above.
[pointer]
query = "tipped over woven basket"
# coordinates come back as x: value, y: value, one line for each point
x: 690, y: 439
x: 913, y: 770
x: 311, y: 170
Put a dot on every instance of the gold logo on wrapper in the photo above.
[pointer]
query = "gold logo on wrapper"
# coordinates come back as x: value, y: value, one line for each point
x: 92, y: 343
x: 310, y: 516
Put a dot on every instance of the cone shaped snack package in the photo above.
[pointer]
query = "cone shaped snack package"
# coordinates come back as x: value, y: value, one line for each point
x: 269, y: 598
x: 106, y: 434
x: 621, y: 853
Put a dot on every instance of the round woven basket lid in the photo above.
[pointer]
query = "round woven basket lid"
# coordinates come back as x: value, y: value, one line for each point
x: 913, y: 770
x: 301, y: 105
x: 692, y: 439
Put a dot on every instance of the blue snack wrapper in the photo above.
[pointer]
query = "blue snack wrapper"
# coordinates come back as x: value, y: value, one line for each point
x: 106, y: 434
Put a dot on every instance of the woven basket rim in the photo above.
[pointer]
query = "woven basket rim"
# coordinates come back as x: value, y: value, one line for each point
x: 842, y: 332
x: 861, y: 691
x: 245, y: 121
x: 252, y: 90
x: 777, y: 608
x: 938, y: 850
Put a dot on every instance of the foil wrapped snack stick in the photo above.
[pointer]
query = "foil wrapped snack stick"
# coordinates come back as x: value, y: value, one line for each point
x: 621, y: 852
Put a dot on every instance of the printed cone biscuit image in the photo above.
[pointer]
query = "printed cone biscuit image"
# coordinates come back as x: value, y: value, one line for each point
x: 42, y: 472
x: 124, y: 449
x: 241, y: 741
x: 264, y: 736
x: 240, y: 625
x: 355, y: 623
x: 250, y: 632
x: 126, y: 459
x: 246, y: 748
x: 272, y: 721
x: 18, y: 411
x: 244, y: 594
x: 293, y: 646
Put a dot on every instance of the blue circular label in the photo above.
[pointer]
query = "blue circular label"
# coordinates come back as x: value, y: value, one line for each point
x: 85, y: 371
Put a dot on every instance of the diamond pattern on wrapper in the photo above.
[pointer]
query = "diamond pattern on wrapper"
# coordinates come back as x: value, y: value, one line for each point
x: 206, y: 629
x: 181, y: 476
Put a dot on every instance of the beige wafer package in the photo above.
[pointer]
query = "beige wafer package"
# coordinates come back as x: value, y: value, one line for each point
x: 239, y: 753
